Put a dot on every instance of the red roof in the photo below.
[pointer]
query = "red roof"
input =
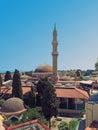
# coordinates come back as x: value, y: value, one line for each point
x: 72, y: 93
x: 25, y: 89
x: 28, y: 124
x: 61, y: 92
x: 88, y: 128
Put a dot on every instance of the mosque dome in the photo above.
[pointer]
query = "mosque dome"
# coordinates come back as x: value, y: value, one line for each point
x: 12, y: 105
x: 44, y: 68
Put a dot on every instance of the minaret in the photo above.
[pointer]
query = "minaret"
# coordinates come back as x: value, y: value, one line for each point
x: 54, y: 53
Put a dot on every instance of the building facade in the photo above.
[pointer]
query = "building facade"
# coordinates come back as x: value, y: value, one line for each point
x: 91, y: 112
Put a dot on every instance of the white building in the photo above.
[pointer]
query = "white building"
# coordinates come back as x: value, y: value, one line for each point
x: 91, y: 112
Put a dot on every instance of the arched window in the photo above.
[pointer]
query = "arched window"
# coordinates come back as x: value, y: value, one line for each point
x: 13, y: 118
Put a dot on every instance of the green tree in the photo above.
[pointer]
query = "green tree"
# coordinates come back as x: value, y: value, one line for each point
x: 28, y: 115
x: 40, y: 87
x: 96, y: 65
x: 72, y: 124
x: 78, y: 73
x: 71, y: 73
x: 16, y: 85
x: 0, y: 80
x: 32, y: 97
x: 1, y: 102
x: 29, y: 73
x: 63, y: 126
x: 48, y: 99
x: 7, y: 76
x: 33, y: 114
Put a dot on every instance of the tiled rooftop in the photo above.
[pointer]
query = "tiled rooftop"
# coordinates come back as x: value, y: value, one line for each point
x: 31, y: 125
x: 72, y: 93
x: 61, y: 92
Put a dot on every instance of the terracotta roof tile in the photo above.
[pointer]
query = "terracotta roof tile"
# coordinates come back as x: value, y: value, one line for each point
x: 25, y: 90
x: 88, y: 128
x: 29, y: 123
x: 72, y: 93
x: 61, y: 92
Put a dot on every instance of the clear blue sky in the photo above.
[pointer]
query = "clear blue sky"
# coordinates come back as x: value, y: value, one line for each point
x: 26, y: 28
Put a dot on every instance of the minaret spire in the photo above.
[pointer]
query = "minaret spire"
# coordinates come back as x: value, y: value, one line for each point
x: 55, y: 26
x: 54, y: 52
x: 54, y: 33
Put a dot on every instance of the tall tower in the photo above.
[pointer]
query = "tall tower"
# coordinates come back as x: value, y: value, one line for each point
x: 54, y: 53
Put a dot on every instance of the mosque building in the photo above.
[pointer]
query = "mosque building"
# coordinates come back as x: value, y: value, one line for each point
x: 12, y: 108
x: 47, y: 70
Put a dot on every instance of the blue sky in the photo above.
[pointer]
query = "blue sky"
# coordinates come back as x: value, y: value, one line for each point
x: 26, y: 28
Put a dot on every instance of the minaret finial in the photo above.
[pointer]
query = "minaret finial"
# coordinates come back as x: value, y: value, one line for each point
x: 54, y: 26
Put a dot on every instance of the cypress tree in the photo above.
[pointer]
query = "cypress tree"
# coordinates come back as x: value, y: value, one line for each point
x: 48, y: 99
x: 32, y: 97
x: 16, y: 85
x: 0, y: 80
x: 7, y: 76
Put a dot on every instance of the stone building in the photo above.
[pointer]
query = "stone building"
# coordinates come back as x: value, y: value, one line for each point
x: 91, y: 112
x: 47, y: 70
x: 12, y: 108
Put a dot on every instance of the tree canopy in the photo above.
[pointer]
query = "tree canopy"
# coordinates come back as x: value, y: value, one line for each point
x: 48, y: 98
x: 32, y: 97
x: 33, y: 114
x: 7, y: 76
x: 63, y: 126
x: 0, y: 80
x: 16, y: 85
x: 30, y: 114
x: 96, y: 65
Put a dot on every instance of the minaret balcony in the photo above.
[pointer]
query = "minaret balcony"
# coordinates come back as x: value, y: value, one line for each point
x: 54, y: 43
x: 54, y: 53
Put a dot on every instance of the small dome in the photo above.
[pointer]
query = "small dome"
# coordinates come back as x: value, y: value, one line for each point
x: 44, y: 68
x: 12, y: 105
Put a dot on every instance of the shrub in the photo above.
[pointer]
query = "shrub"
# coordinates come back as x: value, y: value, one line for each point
x: 1, y: 102
x: 63, y: 126
x: 33, y: 114
x: 73, y: 124
x: 29, y: 115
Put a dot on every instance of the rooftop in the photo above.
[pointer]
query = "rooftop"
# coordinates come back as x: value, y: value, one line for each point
x: 44, y: 68
x: 34, y: 125
x: 72, y: 93
x: 64, y: 92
